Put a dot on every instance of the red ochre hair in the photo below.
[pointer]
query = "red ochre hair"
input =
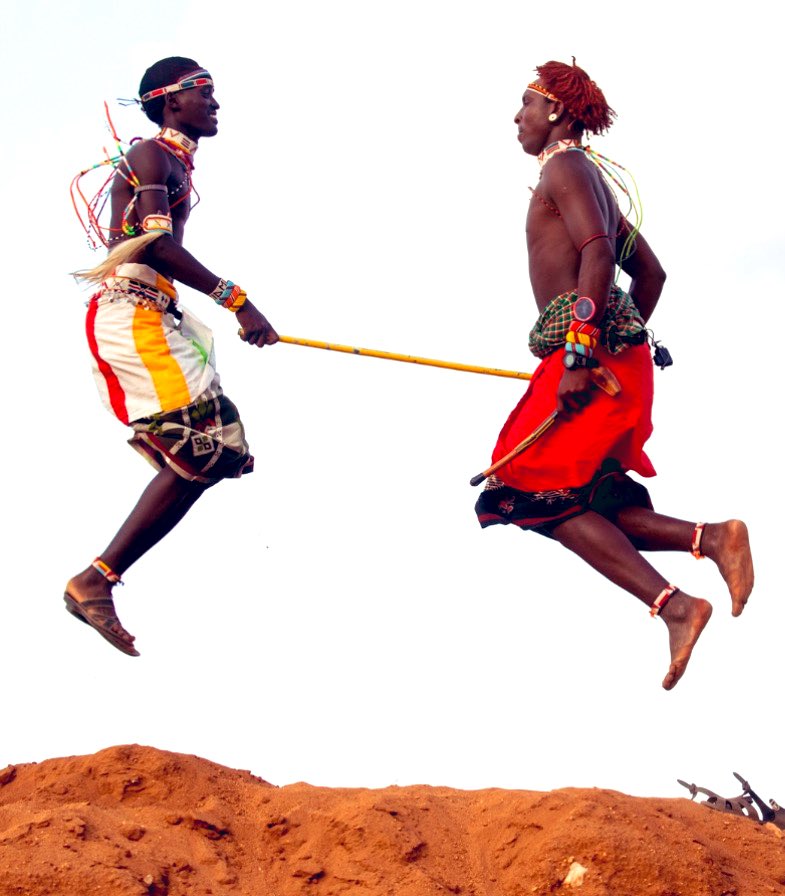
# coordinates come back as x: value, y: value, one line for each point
x: 582, y: 98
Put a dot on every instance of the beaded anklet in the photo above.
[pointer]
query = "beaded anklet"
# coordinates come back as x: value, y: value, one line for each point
x: 106, y: 571
x: 662, y: 598
x: 228, y: 295
x: 697, y: 535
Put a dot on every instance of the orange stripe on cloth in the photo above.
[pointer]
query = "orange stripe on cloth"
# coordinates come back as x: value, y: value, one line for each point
x: 154, y: 352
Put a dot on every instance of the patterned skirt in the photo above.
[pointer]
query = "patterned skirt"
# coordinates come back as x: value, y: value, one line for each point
x: 204, y: 442
x: 609, y: 491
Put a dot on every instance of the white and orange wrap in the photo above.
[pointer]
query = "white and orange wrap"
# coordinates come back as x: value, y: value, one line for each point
x: 146, y: 359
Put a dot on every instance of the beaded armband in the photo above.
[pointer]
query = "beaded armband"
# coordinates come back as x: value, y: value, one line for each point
x: 591, y: 239
x: 228, y: 295
x: 156, y: 223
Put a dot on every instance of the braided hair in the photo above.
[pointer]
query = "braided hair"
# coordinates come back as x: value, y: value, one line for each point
x: 582, y: 98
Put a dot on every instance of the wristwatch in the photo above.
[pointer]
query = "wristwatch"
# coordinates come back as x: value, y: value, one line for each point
x: 572, y: 361
x: 584, y: 309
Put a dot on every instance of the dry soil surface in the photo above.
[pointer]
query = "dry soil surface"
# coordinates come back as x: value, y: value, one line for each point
x: 134, y: 820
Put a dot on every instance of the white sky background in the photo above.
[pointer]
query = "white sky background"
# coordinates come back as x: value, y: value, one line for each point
x: 339, y: 617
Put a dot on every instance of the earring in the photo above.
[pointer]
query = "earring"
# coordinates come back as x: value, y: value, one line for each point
x: 553, y: 116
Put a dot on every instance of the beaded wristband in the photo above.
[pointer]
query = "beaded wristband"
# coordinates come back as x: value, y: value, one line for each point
x: 239, y: 300
x: 581, y: 338
x: 219, y: 293
x: 228, y: 295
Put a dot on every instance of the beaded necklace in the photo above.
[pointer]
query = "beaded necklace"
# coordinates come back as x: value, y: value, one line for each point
x: 183, y: 149
x: 554, y: 149
x: 178, y: 145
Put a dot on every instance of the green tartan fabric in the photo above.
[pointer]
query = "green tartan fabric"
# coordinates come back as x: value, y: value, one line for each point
x: 621, y: 326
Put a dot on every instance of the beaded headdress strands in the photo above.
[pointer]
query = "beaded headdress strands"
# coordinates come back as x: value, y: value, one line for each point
x: 199, y: 78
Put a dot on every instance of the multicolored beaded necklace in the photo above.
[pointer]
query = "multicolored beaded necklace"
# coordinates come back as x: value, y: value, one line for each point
x: 554, y: 149
x: 179, y: 145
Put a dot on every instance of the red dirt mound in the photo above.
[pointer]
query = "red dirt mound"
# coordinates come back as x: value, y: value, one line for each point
x: 136, y: 821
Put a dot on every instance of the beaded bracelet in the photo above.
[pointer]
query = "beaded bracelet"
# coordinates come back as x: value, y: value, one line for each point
x: 228, y: 295
x: 220, y: 290
x: 240, y: 299
x: 581, y: 338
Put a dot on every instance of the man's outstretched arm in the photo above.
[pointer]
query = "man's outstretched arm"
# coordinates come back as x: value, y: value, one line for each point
x: 153, y: 166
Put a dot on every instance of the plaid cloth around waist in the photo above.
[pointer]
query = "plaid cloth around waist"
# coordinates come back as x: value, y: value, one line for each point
x: 621, y: 325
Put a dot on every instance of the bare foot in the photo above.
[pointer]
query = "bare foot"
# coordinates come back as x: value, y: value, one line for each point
x: 88, y: 597
x: 728, y: 545
x: 686, y: 617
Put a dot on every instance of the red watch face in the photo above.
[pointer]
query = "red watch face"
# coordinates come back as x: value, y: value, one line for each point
x: 583, y: 309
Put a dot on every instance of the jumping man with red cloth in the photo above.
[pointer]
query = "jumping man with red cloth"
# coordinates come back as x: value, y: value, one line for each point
x: 572, y: 483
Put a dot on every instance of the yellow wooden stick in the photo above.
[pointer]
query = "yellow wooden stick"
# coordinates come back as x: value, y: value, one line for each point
x: 410, y: 359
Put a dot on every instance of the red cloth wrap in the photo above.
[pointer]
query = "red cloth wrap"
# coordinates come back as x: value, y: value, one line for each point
x: 573, y: 449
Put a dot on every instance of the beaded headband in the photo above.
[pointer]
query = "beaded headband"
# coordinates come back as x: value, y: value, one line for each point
x: 199, y: 78
x: 543, y: 92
